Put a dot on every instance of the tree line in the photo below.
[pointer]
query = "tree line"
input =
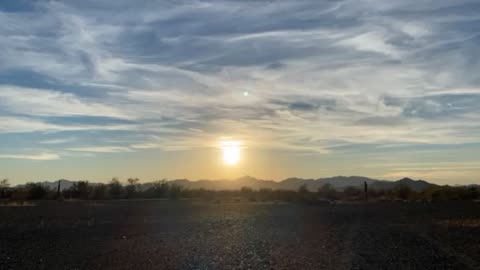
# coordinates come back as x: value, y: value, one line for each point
x: 163, y: 189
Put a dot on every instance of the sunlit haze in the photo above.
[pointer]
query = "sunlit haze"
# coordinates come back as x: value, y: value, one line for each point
x: 222, y: 89
x: 231, y: 152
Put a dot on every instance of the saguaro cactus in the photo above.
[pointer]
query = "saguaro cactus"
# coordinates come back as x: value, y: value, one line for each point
x: 366, y: 190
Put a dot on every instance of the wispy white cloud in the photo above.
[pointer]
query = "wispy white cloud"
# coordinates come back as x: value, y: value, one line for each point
x: 43, y: 102
x: 43, y: 156
x: 101, y: 149
x: 371, y: 42
x: 58, y: 141
x: 11, y: 124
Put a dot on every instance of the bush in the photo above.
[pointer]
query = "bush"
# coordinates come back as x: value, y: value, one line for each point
x: 327, y: 192
x: 19, y: 194
x: 115, y: 189
x: 4, y: 186
x: 81, y: 190
x: 99, y: 192
x: 352, y: 193
x: 159, y: 189
x: 36, y: 191
x: 403, y: 192
x: 175, y: 192
x: 131, y: 189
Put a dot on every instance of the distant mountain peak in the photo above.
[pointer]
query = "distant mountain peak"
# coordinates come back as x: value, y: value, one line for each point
x: 246, y: 178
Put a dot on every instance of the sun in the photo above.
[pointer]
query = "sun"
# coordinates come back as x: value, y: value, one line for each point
x: 231, y: 152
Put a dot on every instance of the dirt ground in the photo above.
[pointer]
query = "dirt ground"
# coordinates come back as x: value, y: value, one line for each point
x: 194, y: 235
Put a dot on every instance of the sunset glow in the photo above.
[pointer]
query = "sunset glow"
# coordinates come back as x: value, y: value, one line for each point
x: 231, y: 152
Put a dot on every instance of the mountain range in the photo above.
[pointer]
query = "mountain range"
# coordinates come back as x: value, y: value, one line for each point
x: 337, y: 182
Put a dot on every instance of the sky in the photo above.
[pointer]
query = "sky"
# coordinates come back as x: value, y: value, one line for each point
x: 151, y: 89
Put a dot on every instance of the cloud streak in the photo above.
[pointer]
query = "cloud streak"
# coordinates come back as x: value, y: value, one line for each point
x: 42, y: 157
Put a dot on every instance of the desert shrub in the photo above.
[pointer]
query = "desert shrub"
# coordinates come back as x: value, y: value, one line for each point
x: 284, y: 195
x: 474, y: 192
x: 81, y: 190
x: 264, y: 194
x: 115, y: 188
x: 4, y: 187
x: 327, y: 192
x: 99, y: 192
x: 303, y: 189
x: 352, y: 193
x: 131, y: 188
x: 202, y: 193
x: 467, y: 193
x: 247, y: 191
x: 159, y: 189
x: 175, y: 191
x: 402, y: 192
x: 304, y: 195
x: 36, y: 191
x: 19, y: 194
x: 378, y: 194
x: 449, y: 193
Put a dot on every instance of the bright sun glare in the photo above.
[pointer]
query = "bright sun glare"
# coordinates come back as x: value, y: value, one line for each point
x: 231, y: 152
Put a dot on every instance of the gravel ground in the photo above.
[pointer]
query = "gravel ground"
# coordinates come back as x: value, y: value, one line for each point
x: 194, y: 235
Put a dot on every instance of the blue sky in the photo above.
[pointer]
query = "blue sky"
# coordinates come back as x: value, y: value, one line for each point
x: 96, y: 89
